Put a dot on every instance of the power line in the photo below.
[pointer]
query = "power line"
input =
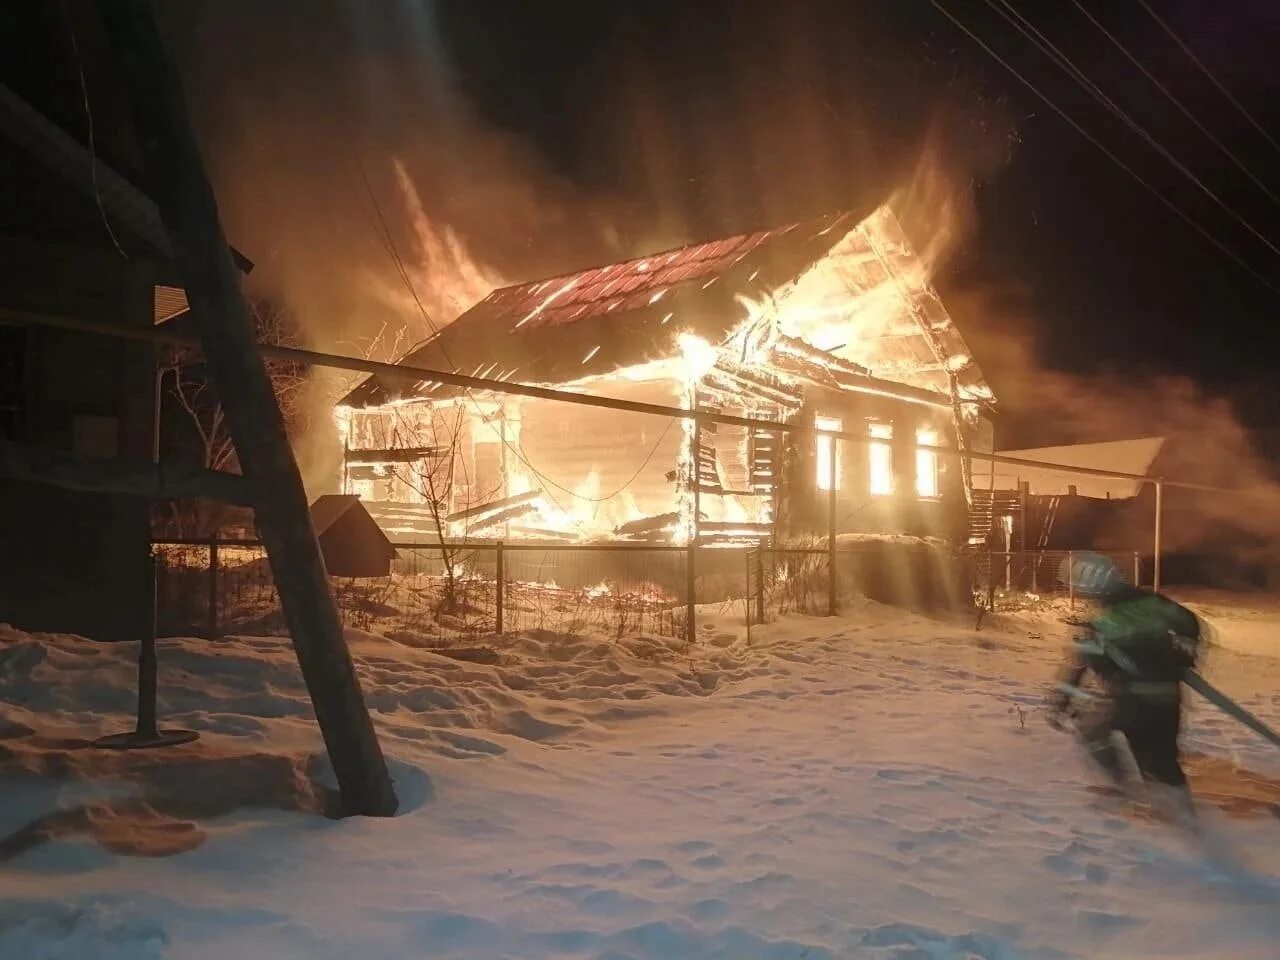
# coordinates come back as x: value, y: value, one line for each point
x: 93, y: 151
x: 1047, y: 47
x: 1212, y: 79
x: 1176, y: 102
x: 1174, y: 208
x: 411, y: 372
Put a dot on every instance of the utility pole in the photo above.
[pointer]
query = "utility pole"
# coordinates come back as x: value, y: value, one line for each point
x: 180, y: 188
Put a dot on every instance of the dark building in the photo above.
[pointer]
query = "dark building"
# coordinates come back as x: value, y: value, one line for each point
x: 77, y: 240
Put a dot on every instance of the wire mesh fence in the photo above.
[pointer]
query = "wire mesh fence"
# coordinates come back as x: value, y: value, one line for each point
x: 1041, y: 571
x: 464, y: 591
x: 469, y: 591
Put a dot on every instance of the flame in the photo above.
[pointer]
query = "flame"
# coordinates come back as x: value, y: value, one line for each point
x: 601, y: 589
x: 698, y: 355
x: 447, y: 278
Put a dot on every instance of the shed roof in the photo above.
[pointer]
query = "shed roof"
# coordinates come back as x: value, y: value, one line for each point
x: 1123, y: 456
x: 332, y: 507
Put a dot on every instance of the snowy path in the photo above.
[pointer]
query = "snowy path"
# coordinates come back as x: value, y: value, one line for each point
x: 851, y: 788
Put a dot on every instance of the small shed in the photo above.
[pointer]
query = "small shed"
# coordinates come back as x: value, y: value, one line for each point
x: 351, y: 541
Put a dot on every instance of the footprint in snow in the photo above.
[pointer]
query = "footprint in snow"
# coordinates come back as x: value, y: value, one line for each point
x: 694, y: 846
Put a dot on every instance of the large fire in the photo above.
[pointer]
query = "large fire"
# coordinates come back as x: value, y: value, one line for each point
x: 861, y: 307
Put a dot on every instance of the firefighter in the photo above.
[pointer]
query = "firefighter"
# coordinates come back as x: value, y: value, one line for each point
x: 1139, y: 647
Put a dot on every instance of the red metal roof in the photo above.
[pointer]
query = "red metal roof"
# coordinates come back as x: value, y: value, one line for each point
x: 594, y: 321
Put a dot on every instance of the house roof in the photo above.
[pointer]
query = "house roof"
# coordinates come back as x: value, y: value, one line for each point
x: 1122, y: 456
x: 594, y: 322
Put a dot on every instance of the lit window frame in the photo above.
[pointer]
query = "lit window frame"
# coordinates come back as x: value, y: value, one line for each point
x: 928, y: 480
x: 880, y: 479
x: 824, y: 449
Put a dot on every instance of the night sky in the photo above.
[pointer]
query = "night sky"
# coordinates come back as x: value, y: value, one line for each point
x: 556, y: 135
x: 1110, y: 280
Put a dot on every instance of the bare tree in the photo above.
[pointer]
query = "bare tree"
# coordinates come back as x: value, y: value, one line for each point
x: 190, y: 391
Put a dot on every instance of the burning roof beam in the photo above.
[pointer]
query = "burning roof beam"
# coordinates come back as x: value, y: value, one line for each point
x: 493, y: 506
x: 377, y: 457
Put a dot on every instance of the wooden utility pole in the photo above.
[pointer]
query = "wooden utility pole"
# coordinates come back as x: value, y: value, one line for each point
x: 180, y: 188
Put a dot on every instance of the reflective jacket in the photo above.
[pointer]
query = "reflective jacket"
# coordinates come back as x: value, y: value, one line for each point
x: 1139, y: 644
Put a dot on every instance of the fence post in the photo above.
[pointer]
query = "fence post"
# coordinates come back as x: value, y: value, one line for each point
x: 691, y: 628
x: 1155, y: 561
x: 213, y: 586
x: 1137, y: 569
x: 760, y: 584
x: 1023, y: 489
x: 833, y: 475
x: 498, y: 585
x: 146, y: 731
x: 1071, y: 579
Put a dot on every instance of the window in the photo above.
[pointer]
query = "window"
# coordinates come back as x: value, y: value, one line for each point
x: 826, y: 451
x: 927, y: 464
x: 880, y: 458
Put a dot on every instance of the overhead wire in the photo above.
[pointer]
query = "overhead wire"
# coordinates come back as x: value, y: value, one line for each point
x: 93, y: 149
x: 1137, y: 177
x: 1209, y: 74
x: 1182, y: 108
x: 1046, y: 46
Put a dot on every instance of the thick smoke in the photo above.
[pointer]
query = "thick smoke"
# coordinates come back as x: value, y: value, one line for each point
x: 376, y: 205
x: 1205, y: 440
x: 1041, y: 405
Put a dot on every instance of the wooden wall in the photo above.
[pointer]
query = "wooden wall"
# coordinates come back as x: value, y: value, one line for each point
x: 77, y: 562
x: 904, y: 511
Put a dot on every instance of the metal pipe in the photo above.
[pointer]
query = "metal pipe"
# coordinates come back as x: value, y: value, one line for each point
x: 1071, y: 579
x: 833, y: 474
x: 155, y: 413
x: 1155, y: 562
x: 499, y: 582
x: 691, y: 572
x: 414, y: 374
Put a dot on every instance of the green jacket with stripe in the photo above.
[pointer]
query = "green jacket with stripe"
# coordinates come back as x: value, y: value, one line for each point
x: 1140, y: 643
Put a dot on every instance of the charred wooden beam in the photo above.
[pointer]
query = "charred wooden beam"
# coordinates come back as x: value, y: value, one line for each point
x: 742, y: 528
x: 135, y: 478
x: 502, y: 516
x: 557, y: 536
x: 645, y: 525
x: 494, y: 505
x: 737, y: 384
x: 373, y: 457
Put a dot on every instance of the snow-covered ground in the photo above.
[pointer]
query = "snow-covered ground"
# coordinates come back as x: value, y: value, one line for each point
x: 877, y: 785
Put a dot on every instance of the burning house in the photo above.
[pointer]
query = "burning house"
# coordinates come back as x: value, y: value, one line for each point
x: 830, y: 323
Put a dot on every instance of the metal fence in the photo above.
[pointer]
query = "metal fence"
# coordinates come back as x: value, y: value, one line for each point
x: 471, y: 590
x: 1040, y: 571
x: 467, y: 590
